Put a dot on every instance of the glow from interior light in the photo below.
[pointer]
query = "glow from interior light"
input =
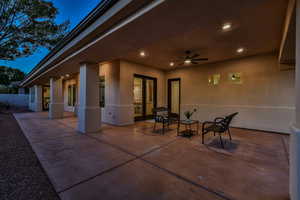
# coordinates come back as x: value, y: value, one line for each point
x: 142, y: 54
x: 226, y: 26
x: 187, y: 61
x: 67, y: 75
x: 172, y: 64
x: 240, y: 50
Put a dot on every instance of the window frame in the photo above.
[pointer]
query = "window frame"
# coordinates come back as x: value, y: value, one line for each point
x: 72, y: 95
x: 101, y: 91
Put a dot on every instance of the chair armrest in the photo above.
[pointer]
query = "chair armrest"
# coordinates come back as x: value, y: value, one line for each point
x: 159, y: 118
x: 206, y: 123
x: 219, y: 119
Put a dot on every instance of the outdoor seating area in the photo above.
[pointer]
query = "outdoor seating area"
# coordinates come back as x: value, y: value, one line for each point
x: 136, y: 163
x: 220, y: 125
x: 164, y: 116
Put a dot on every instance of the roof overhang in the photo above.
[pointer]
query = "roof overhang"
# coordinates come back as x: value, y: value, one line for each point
x: 107, y: 17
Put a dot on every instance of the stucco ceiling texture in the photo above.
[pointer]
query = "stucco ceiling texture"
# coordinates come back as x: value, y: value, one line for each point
x: 175, y: 26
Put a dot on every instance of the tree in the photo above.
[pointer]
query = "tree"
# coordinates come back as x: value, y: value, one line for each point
x: 27, y: 24
x: 9, y: 75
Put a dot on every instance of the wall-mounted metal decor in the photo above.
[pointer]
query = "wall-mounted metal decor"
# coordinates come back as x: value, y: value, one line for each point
x: 235, y: 78
x: 214, y: 79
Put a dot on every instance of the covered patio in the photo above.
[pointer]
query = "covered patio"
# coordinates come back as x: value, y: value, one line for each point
x: 127, y: 58
x: 132, y: 162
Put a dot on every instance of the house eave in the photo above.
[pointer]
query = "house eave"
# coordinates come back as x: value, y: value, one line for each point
x: 97, y: 12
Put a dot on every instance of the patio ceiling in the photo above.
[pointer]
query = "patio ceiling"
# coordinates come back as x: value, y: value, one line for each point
x: 165, y: 29
x: 257, y: 26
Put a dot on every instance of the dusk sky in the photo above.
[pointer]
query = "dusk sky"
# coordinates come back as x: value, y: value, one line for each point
x: 73, y: 10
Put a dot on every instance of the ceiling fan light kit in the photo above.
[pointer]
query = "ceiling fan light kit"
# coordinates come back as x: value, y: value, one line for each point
x: 191, y: 59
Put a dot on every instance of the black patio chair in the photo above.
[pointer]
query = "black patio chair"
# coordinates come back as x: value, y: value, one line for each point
x: 165, y: 117
x: 219, y: 125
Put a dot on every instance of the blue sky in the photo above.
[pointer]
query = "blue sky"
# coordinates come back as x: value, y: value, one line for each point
x: 73, y: 10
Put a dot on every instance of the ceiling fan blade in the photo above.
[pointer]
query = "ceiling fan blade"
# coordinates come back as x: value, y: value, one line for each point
x: 194, y: 56
x: 195, y: 63
x: 200, y: 59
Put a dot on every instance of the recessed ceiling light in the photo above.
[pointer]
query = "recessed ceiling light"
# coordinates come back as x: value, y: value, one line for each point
x: 226, y: 26
x: 240, y: 50
x: 67, y: 75
x: 187, y: 61
x: 142, y: 54
x: 172, y: 64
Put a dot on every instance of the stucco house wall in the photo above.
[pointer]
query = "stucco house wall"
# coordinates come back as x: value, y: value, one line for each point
x: 264, y: 100
x: 119, y: 76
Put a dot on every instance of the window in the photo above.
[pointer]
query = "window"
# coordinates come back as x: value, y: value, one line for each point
x: 235, y: 78
x: 32, y: 94
x: 102, y: 91
x: 214, y: 79
x: 71, y: 95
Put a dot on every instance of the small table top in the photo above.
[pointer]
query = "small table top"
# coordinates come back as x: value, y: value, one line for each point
x: 188, y: 121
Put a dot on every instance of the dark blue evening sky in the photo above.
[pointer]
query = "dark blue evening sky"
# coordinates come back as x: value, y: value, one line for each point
x: 73, y: 10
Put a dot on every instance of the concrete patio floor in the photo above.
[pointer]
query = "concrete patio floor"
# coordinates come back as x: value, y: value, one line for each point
x: 132, y: 162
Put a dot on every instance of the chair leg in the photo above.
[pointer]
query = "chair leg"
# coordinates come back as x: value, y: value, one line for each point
x: 221, y: 141
x: 202, y: 138
x: 214, y: 133
x: 163, y: 128
x: 154, y: 128
x: 229, y: 134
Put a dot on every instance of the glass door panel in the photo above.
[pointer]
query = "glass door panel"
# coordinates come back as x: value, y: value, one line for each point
x: 149, y: 96
x: 138, y: 97
x: 174, y: 95
x: 144, y: 92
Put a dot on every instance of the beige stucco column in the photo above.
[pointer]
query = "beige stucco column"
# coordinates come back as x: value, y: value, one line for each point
x: 89, y: 112
x: 35, y: 99
x: 56, y: 106
x: 295, y: 135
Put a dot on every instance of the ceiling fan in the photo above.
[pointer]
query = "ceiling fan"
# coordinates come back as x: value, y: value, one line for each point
x: 192, y: 58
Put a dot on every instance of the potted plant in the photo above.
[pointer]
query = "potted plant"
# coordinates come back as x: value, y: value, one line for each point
x: 188, y: 114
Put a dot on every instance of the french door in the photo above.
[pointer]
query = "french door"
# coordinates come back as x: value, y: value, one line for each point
x: 145, y: 96
x: 174, y: 95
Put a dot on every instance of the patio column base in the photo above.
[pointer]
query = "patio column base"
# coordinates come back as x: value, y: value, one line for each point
x: 56, y: 110
x: 89, y: 119
x: 295, y: 163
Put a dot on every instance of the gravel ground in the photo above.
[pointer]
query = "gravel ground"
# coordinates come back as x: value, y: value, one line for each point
x: 21, y: 175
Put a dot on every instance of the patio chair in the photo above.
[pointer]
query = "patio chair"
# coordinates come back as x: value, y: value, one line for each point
x: 165, y: 117
x: 219, y: 125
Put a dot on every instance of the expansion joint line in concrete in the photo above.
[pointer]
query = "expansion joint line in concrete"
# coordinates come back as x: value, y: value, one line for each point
x: 140, y: 157
x: 221, y: 195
